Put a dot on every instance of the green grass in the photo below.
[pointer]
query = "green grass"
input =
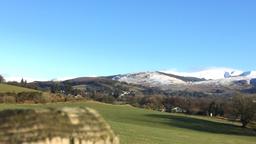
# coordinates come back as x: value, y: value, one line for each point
x: 10, y: 88
x: 139, y: 126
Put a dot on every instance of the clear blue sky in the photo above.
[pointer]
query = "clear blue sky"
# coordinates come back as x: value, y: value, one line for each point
x: 57, y: 38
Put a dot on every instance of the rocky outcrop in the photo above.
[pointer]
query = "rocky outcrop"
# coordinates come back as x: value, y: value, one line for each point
x: 55, y: 126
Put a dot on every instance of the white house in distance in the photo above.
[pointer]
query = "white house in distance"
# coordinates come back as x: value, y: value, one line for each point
x: 178, y: 110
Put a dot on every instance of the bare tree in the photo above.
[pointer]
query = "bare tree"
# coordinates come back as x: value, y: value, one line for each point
x: 244, y: 107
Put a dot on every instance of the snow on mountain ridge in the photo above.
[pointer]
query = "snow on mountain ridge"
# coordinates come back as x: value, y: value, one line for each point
x: 213, y: 76
x: 210, y: 74
x: 226, y: 81
x: 153, y: 79
x: 220, y: 76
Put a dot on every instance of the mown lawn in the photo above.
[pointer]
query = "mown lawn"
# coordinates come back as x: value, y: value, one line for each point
x: 139, y: 126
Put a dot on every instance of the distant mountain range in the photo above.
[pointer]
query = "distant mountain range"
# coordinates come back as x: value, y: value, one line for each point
x: 215, y: 73
x: 210, y: 81
x: 211, y: 77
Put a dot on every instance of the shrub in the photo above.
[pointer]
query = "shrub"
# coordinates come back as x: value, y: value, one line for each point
x: 35, y: 97
x: 9, y: 99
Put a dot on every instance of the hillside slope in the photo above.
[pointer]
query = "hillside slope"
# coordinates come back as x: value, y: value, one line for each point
x: 10, y: 88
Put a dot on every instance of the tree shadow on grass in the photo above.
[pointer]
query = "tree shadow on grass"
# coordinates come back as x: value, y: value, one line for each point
x: 201, y: 125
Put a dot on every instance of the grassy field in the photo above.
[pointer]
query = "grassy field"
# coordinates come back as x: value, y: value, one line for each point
x: 139, y: 126
x: 9, y: 88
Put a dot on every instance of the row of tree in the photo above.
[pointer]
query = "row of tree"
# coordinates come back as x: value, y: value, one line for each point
x: 242, y: 107
x: 22, y: 83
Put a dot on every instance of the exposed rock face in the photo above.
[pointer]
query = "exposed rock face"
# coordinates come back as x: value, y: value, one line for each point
x: 55, y: 126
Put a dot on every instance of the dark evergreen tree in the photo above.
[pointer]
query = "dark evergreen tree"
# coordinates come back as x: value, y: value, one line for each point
x: 22, y: 81
x: 2, y: 80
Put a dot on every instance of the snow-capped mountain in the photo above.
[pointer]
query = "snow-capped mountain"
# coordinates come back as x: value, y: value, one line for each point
x: 209, y: 77
x: 209, y: 74
x: 152, y: 79
x: 221, y: 76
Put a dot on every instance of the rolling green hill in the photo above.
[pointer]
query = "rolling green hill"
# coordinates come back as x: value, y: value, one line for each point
x: 139, y: 126
x: 10, y: 88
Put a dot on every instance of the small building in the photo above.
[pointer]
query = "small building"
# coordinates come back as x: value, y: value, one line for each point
x: 178, y: 110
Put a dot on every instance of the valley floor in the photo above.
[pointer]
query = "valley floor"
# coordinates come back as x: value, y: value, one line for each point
x: 139, y: 126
